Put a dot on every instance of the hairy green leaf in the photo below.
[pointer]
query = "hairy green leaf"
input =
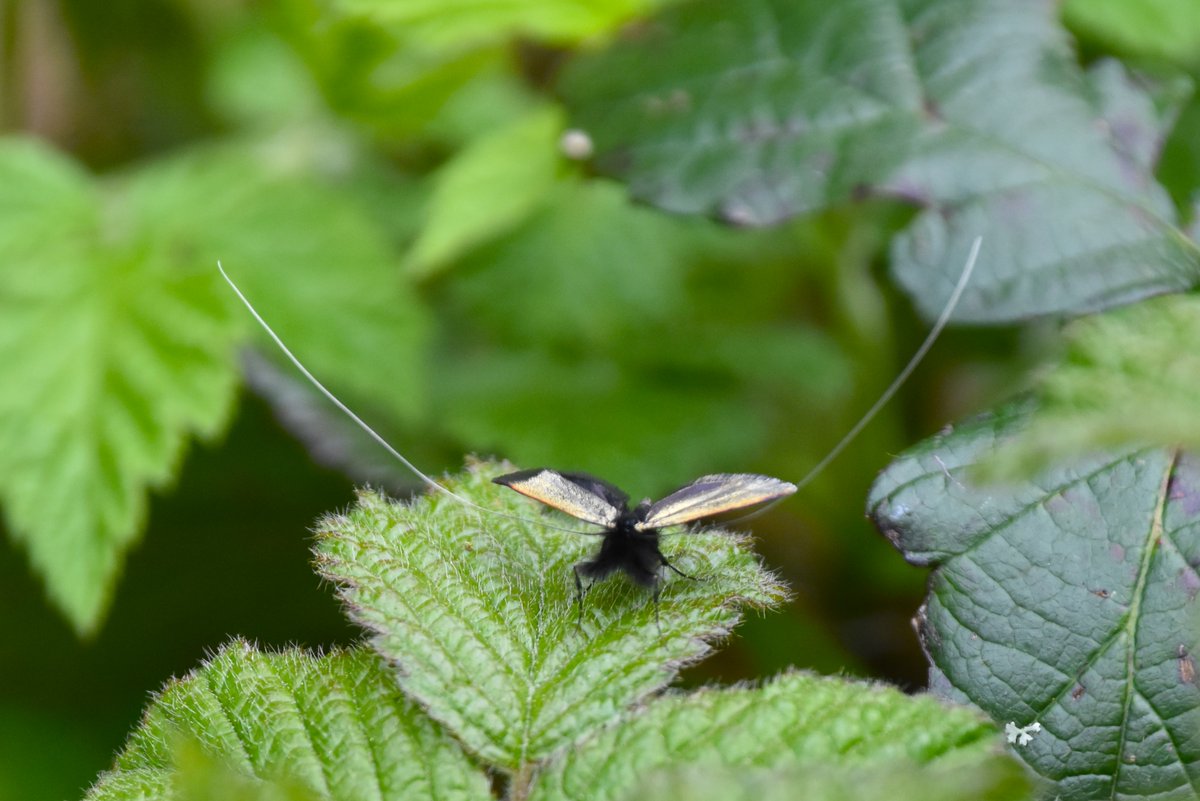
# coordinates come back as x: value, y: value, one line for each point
x: 975, y: 110
x: 308, y: 257
x: 119, y: 335
x: 479, y: 615
x: 794, y: 720
x: 113, y: 352
x: 334, y: 724
x: 198, y: 776
x: 1131, y: 376
x: 982, y: 777
x: 1065, y: 600
x: 488, y: 188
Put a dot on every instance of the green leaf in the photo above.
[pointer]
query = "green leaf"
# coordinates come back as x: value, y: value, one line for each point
x: 377, y: 73
x: 200, y: 776
x: 479, y: 614
x: 1167, y: 29
x: 1065, y: 600
x: 114, y: 352
x: 307, y: 255
x: 333, y: 724
x: 758, y: 111
x: 458, y: 23
x: 564, y: 275
x: 257, y: 82
x: 119, y: 336
x: 1131, y: 376
x: 796, y: 720
x: 487, y: 189
x: 983, y: 777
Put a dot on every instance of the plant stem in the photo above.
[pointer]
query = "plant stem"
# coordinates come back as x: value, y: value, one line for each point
x: 518, y: 790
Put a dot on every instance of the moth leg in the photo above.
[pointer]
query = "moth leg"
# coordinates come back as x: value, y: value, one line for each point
x: 654, y: 600
x: 672, y: 567
x: 580, y: 591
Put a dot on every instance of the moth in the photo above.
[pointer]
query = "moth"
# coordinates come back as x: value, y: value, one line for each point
x: 629, y: 541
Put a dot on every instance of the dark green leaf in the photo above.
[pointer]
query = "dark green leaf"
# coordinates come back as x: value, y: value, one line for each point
x: 1065, y: 600
x: 757, y: 111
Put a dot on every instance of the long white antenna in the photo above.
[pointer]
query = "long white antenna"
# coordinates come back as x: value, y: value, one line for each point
x: 931, y: 337
x: 370, y: 431
x: 894, y: 387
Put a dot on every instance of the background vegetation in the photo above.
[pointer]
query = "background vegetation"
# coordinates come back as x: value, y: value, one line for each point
x: 712, y: 291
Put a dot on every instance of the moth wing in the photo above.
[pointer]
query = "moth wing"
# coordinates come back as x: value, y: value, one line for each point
x: 711, y: 495
x: 585, y: 500
x: 599, y: 486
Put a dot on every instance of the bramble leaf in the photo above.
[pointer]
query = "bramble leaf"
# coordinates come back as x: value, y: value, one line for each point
x: 333, y: 724
x: 792, y: 722
x: 309, y: 258
x: 1066, y: 600
x: 488, y: 188
x: 980, y: 778
x: 113, y: 354
x: 976, y: 111
x: 457, y: 23
x: 479, y: 614
x: 119, y: 337
x: 401, y: 66
x: 1164, y: 28
x: 196, y: 775
x: 1128, y: 377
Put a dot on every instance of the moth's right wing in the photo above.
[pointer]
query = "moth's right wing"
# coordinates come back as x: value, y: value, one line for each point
x: 712, y: 495
x: 577, y: 494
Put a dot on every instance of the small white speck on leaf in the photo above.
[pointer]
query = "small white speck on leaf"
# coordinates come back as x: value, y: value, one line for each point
x: 1021, y: 735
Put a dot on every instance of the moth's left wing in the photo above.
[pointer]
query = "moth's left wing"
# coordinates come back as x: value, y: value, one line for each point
x: 711, y: 495
x: 590, y: 499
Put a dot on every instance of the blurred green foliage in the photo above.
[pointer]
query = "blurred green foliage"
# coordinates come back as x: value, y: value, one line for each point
x: 382, y: 180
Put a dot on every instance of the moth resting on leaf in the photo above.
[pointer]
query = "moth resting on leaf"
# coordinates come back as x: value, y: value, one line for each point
x: 630, y: 536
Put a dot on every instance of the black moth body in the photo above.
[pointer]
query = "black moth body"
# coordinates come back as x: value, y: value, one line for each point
x: 630, y: 536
